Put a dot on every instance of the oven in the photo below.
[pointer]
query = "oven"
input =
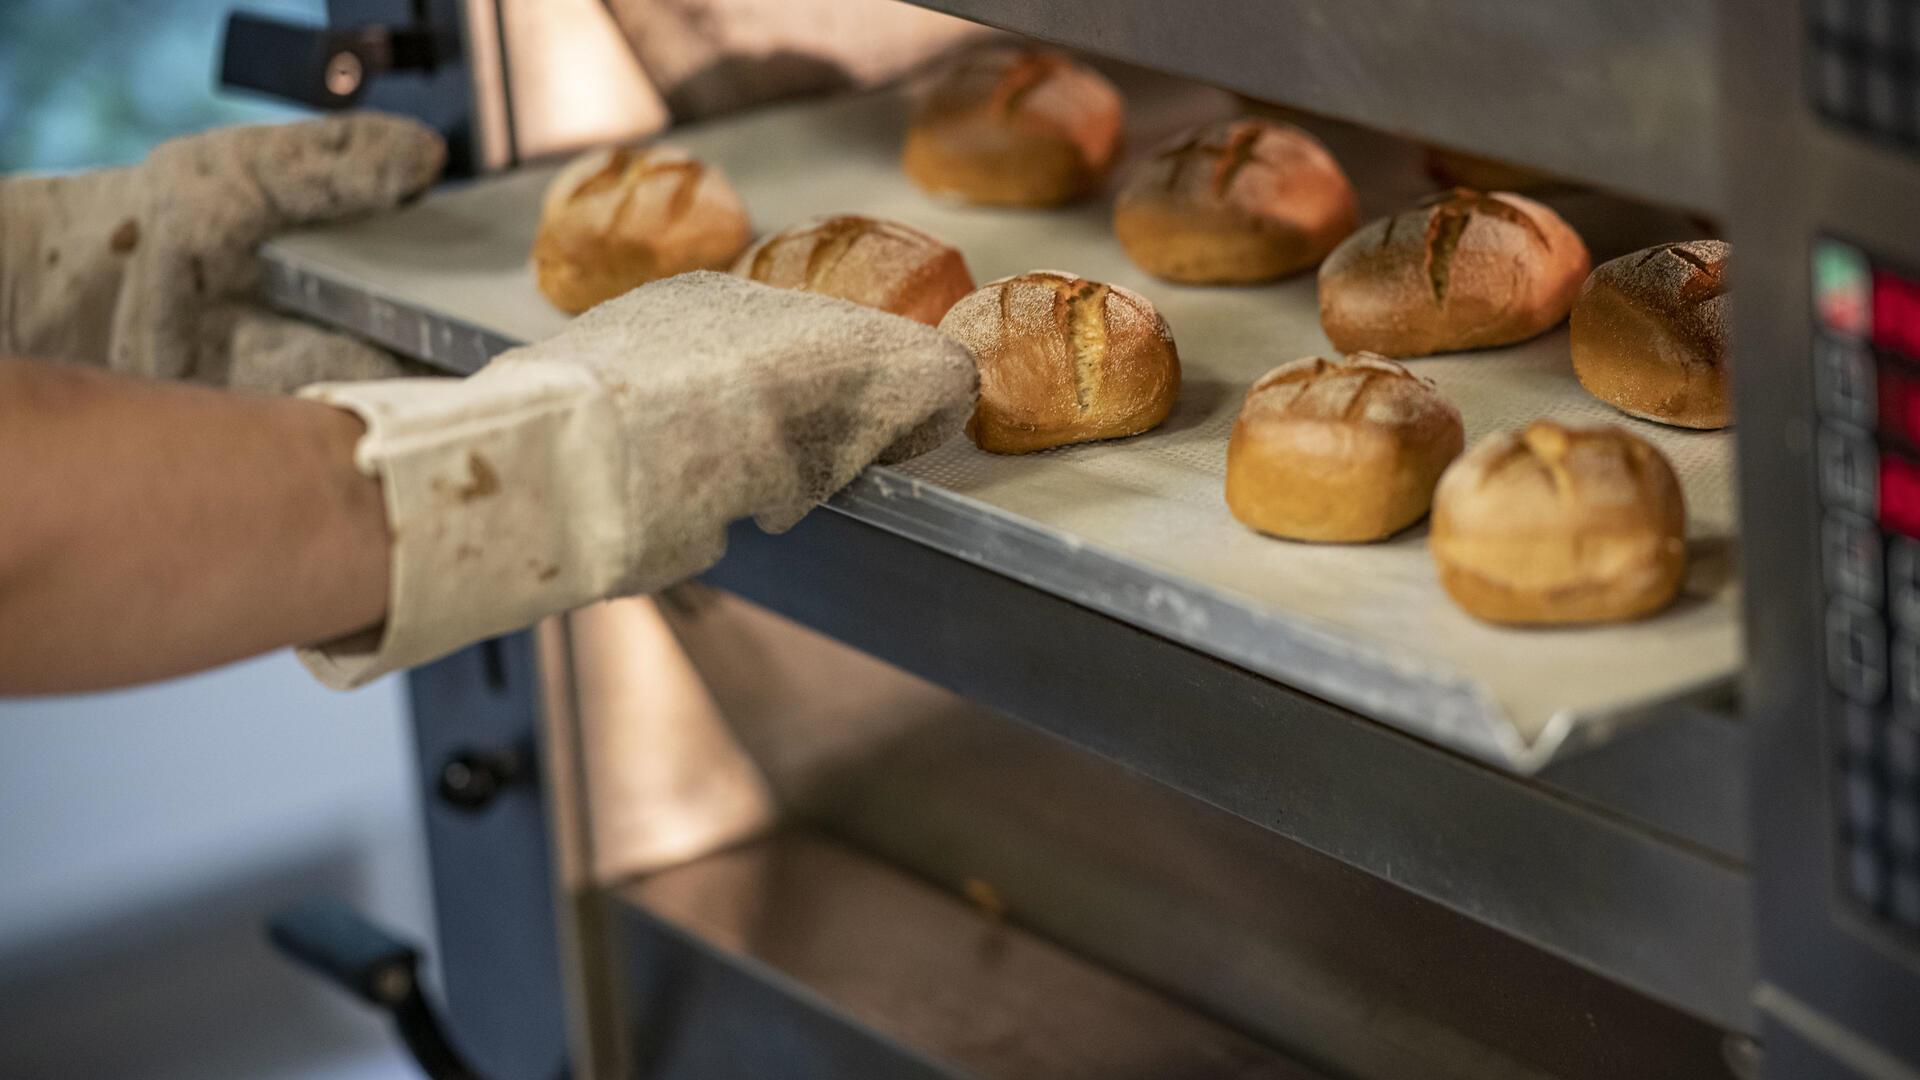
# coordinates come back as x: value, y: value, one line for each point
x: 964, y: 776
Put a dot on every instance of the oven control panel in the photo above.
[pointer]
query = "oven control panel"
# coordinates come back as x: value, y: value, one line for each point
x: 1863, y: 66
x: 1867, y: 388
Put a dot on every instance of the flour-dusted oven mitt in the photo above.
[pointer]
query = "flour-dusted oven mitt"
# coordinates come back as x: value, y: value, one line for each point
x: 150, y: 269
x: 609, y: 459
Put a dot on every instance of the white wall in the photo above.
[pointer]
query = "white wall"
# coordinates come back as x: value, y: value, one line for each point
x: 145, y: 834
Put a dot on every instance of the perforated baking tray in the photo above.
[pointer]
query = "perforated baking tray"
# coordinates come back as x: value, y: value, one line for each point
x: 1136, y: 528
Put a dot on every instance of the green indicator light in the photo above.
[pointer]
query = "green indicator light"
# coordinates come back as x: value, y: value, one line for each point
x: 1842, y: 288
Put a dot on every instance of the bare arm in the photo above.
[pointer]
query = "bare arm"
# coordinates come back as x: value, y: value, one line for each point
x: 153, y: 529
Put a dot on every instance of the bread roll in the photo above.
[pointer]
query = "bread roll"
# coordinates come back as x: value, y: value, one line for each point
x: 1235, y: 201
x: 1559, y: 525
x: 1455, y: 168
x: 614, y: 219
x: 881, y: 264
x: 1650, y: 334
x: 1009, y: 126
x: 1341, y: 451
x: 1462, y: 270
x: 1063, y: 360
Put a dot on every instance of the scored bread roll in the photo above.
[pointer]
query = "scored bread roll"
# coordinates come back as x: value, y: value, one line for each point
x: 1551, y: 524
x: 881, y: 264
x: 616, y: 218
x: 1339, y: 451
x: 1456, y: 168
x: 1008, y: 126
x: 1063, y: 360
x: 1461, y: 270
x: 1235, y: 201
x: 1649, y: 334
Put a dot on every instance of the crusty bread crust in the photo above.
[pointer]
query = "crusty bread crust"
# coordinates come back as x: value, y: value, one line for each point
x: 613, y: 219
x: 1064, y: 360
x: 881, y: 264
x: 1649, y: 334
x: 1008, y: 126
x: 1339, y: 451
x: 1233, y: 202
x: 1456, y: 168
x: 1462, y: 270
x: 1551, y: 524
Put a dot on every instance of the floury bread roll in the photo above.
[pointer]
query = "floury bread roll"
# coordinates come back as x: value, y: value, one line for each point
x: 615, y: 219
x: 1007, y: 126
x: 1233, y: 202
x: 881, y: 264
x: 1341, y: 451
x: 1063, y: 360
x: 1560, y: 525
x: 1456, y: 168
x: 1650, y: 334
x: 1462, y: 270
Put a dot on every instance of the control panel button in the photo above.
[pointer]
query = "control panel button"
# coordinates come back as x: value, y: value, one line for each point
x: 1844, y: 380
x: 1842, y: 280
x: 1903, y: 826
x: 1900, y: 494
x: 1882, y: 100
x: 1906, y: 678
x: 1832, y: 84
x: 1849, y: 471
x: 1835, y: 17
x: 1878, y: 24
x: 1895, y: 316
x: 1905, y: 901
x: 1856, y: 651
x: 1899, y: 403
x: 1903, y: 756
x: 1862, y: 796
x: 1851, y: 552
x: 1866, y: 877
x: 1903, y: 583
x: 1860, y: 735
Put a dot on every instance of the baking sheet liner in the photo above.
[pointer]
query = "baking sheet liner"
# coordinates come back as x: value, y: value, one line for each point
x: 1366, y: 626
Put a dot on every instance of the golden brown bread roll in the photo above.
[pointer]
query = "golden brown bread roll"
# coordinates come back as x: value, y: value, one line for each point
x: 1063, y: 360
x: 1340, y: 451
x: 1235, y: 201
x: 1560, y: 525
x: 1462, y: 270
x: 1456, y: 168
x: 881, y: 264
x: 1010, y: 126
x: 614, y: 219
x: 1650, y: 334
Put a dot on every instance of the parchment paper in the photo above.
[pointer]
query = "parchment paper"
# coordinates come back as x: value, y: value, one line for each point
x: 1156, y: 499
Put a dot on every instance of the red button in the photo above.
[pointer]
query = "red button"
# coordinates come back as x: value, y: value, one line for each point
x: 1899, y: 494
x: 1896, y: 313
x: 1899, y: 404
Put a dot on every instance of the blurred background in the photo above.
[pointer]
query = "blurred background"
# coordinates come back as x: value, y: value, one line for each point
x: 98, y: 82
x: 145, y: 835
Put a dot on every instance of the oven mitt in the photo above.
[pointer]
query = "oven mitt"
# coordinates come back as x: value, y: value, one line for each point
x: 150, y: 268
x: 610, y: 459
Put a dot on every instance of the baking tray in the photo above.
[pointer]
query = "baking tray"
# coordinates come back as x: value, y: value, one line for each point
x: 1135, y: 528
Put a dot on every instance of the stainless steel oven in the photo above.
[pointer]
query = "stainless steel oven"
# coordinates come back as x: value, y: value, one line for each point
x: 935, y: 785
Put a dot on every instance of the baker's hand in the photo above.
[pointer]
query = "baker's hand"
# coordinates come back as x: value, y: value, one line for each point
x: 610, y: 459
x: 150, y: 268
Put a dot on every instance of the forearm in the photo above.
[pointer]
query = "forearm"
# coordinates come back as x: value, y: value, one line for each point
x: 151, y: 529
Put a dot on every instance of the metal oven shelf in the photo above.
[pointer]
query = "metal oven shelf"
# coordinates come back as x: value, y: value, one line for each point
x: 1135, y: 529
x: 863, y: 970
